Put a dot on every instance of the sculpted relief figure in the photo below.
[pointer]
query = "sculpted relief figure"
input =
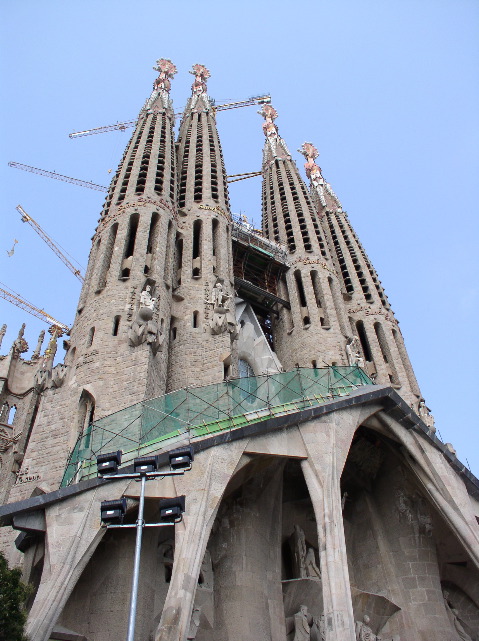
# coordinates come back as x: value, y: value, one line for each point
x: 144, y: 329
x: 425, y: 415
x: 223, y: 318
x: 3, y: 330
x: 301, y: 623
x: 353, y: 352
x: 363, y: 631
x: 304, y: 560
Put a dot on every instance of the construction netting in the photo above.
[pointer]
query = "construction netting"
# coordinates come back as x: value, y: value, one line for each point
x: 197, y: 411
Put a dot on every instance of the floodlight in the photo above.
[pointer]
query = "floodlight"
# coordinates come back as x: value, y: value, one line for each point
x: 172, y: 509
x: 113, y: 511
x: 181, y: 459
x: 108, y: 463
x: 145, y: 464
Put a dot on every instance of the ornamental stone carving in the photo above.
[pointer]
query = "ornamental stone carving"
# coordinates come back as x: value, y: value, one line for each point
x: 223, y: 319
x: 20, y: 345
x: 58, y: 375
x: 144, y: 328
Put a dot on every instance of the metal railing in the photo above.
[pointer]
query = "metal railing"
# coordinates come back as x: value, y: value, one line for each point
x: 147, y: 427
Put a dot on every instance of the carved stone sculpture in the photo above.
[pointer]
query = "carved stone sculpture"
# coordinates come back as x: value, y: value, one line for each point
x: 144, y: 329
x: 363, y: 631
x: 3, y: 330
x: 425, y: 415
x: 302, y: 624
x: 223, y: 318
x: 353, y: 353
x: 41, y: 379
x: 58, y: 375
x: 201, y: 74
x: 36, y: 353
x: 304, y: 560
x: 20, y: 345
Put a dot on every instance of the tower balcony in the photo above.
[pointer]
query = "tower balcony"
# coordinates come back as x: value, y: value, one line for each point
x: 194, y: 413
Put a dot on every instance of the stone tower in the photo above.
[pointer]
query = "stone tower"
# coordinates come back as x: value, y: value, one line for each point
x: 314, y: 331
x: 203, y: 325
x: 320, y: 503
x: 374, y: 337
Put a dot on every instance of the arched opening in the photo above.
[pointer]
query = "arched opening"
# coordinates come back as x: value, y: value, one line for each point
x: 108, y: 253
x: 86, y: 415
x: 129, y: 246
x: 91, y: 335
x: 11, y: 414
x: 196, y: 255
x: 195, y: 320
x: 152, y: 242
x: 364, y: 341
x: 116, y: 325
x: 178, y: 260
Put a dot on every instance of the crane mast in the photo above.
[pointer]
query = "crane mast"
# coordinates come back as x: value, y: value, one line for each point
x: 16, y: 299
x: 26, y: 218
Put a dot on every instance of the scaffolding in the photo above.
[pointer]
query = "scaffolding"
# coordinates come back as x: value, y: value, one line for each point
x: 196, y: 412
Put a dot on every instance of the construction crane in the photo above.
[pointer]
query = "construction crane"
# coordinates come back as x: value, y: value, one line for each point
x: 232, y: 178
x: 53, y: 174
x: 254, y: 100
x: 26, y: 218
x: 16, y: 299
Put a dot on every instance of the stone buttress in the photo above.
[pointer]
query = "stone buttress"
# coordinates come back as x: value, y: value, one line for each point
x: 203, y: 325
x: 314, y: 331
x: 375, y: 341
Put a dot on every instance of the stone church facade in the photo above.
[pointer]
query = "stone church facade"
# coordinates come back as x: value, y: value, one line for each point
x: 320, y: 504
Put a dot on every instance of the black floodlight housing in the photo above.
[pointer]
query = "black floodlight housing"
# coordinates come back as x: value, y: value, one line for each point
x: 181, y: 458
x: 145, y: 464
x: 172, y: 509
x: 113, y: 511
x: 108, y: 463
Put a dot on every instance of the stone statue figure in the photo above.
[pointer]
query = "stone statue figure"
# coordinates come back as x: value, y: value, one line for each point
x: 270, y: 130
x: 304, y: 560
x: 425, y: 415
x: 302, y: 624
x: 223, y: 318
x: 363, y: 631
x: 353, y: 353
x: 194, y: 623
x: 318, y: 632
x: 144, y: 329
x: 3, y: 330
x: 146, y: 299
x: 201, y: 74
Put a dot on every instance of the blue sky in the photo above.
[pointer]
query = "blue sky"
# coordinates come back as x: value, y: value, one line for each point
x: 387, y: 91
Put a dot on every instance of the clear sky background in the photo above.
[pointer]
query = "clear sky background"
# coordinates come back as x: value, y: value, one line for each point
x: 386, y: 90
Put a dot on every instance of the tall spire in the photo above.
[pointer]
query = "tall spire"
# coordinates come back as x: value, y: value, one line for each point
x: 203, y: 271
x: 374, y: 338
x: 311, y: 286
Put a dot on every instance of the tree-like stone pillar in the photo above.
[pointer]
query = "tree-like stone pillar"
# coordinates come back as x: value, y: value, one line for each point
x: 327, y: 442
x: 204, y: 486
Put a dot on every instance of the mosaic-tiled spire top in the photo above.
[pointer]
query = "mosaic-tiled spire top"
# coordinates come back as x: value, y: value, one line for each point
x: 320, y: 189
x: 202, y: 175
x: 199, y: 97
x: 275, y: 147
x: 160, y: 96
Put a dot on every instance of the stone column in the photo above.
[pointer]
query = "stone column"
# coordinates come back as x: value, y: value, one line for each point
x: 203, y: 486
